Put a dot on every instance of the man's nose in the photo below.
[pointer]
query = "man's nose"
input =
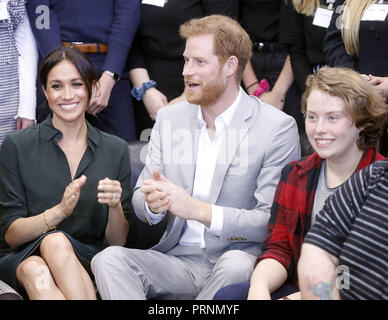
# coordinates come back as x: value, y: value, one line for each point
x: 187, y: 69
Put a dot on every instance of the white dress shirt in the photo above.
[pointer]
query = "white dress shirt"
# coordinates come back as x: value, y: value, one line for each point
x: 28, y: 66
x: 207, y: 155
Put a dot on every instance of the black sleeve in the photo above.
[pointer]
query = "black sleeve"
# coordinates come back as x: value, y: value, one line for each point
x: 12, y: 197
x: 135, y: 56
x: 333, y: 45
x: 292, y: 34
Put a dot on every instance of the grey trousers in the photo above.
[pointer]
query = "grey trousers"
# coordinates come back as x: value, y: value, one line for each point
x: 7, y: 293
x: 133, y: 274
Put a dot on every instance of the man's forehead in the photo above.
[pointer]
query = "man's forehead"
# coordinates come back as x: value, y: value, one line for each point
x: 202, y: 42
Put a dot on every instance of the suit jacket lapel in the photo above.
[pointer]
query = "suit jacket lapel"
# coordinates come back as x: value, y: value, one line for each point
x: 188, y: 164
x: 236, y: 133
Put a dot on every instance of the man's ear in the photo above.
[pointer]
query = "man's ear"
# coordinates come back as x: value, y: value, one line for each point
x: 230, y: 66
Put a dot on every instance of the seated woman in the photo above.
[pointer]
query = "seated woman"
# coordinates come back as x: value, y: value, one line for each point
x: 64, y: 189
x: 344, y: 115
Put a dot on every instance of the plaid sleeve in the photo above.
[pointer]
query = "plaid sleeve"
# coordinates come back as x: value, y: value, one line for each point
x: 277, y: 243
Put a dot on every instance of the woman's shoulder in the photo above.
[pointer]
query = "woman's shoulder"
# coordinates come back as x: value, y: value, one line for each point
x: 111, y: 141
x: 23, y: 137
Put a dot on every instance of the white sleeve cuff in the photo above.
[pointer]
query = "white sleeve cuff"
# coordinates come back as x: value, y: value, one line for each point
x: 154, y: 218
x: 217, y: 220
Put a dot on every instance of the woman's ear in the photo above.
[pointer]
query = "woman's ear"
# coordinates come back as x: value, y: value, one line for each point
x: 95, y: 90
x: 45, y: 91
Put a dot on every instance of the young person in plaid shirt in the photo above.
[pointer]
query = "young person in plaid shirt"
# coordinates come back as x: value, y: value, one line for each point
x: 344, y: 117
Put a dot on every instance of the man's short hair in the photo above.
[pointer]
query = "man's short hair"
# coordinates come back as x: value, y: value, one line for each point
x: 364, y: 103
x: 230, y: 39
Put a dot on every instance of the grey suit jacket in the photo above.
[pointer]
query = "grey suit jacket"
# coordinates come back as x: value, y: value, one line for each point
x: 260, y: 141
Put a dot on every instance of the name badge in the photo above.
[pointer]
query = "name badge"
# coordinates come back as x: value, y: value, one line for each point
x: 375, y: 12
x: 322, y: 17
x: 158, y: 3
x: 4, y: 15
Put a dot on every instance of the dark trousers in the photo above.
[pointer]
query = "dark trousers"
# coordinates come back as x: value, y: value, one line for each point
x: 118, y: 117
x: 239, y: 291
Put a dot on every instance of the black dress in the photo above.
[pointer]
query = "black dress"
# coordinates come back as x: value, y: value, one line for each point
x: 305, y: 40
x: 34, y: 174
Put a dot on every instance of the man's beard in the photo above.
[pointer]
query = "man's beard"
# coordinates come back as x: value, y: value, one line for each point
x: 209, y: 93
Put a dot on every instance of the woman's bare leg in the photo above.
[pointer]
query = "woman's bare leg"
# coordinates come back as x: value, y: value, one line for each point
x: 34, y: 275
x: 69, y: 274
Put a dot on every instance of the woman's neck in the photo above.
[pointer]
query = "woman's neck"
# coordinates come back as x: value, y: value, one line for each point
x: 340, y: 170
x: 71, y: 131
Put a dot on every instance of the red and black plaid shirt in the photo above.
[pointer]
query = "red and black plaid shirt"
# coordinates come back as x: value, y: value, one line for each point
x: 292, y: 207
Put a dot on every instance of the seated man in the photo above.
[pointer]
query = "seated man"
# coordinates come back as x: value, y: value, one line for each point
x: 345, y: 254
x: 344, y: 120
x: 212, y: 167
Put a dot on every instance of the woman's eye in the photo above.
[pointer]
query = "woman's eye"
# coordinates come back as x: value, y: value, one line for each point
x: 77, y: 84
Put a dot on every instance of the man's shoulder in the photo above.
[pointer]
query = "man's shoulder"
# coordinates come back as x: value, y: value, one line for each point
x: 266, y: 116
x: 270, y: 112
x: 179, y: 109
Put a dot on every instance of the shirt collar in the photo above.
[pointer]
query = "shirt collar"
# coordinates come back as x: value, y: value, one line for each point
x: 226, y: 116
x: 49, y: 132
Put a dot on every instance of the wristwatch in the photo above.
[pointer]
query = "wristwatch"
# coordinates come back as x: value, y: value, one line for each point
x: 115, y: 76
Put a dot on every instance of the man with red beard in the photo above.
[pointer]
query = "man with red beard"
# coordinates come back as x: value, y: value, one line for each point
x: 212, y: 167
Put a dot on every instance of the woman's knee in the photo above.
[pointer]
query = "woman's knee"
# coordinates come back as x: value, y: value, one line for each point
x: 33, y: 270
x: 56, y: 245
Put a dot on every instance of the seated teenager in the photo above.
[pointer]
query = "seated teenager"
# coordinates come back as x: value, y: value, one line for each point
x: 344, y: 118
x: 62, y: 174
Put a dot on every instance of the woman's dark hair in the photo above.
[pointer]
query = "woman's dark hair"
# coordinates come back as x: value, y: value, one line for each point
x: 77, y: 58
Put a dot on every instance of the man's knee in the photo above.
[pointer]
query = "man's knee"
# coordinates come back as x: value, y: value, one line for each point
x: 103, y: 261
x: 235, y: 265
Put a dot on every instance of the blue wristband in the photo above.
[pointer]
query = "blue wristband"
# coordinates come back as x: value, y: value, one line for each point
x: 138, y: 93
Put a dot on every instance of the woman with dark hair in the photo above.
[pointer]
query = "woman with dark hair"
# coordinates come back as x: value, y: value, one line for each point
x: 64, y: 189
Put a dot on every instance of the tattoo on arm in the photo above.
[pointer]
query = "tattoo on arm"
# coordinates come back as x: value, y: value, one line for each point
x: 323, y: 290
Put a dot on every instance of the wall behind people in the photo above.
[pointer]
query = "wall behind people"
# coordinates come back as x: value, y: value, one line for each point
x: 104, y: 30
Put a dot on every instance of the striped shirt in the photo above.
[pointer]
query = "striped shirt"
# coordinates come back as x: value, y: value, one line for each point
x: 353, y: 226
